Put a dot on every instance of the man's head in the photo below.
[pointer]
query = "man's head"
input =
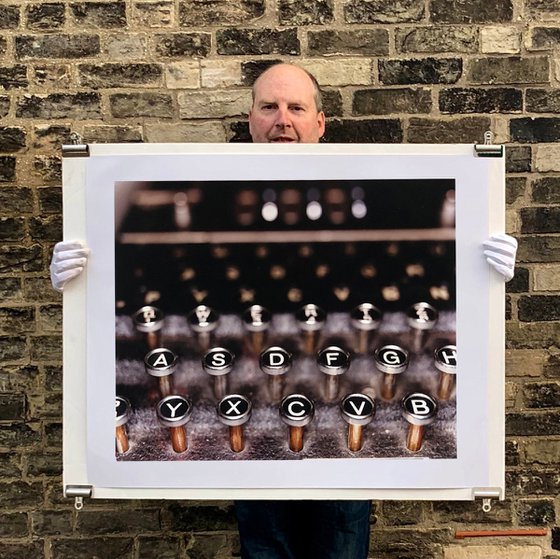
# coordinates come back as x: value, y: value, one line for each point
x: 286, y: 106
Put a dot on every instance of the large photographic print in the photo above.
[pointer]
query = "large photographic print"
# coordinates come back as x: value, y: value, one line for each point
x: 285, y: 320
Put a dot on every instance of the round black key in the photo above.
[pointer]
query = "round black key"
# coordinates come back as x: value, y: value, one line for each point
x: 174, y: 411
x: 218, y: 361
x: 148, y: 319
x: 333, y: 360
x: 234, y: 410
x: 311, y: 317
x: 445, y: 359
x: 297, y: 410
x: 203, y: 319
x: 366, y: 317
x: 256, y: 318
x: 422, y: 316
x: 160, y: 362
x: 419, y: 409
x: 391, y: 359
x: 122, y: 410
x: 275, y: 361
x: 357, y: 409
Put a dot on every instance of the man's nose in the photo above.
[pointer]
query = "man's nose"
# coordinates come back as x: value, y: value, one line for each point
x: 283, y: 117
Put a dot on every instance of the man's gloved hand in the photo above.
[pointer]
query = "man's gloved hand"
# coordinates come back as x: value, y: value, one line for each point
x: 68, y: 261
x: 500, y: 251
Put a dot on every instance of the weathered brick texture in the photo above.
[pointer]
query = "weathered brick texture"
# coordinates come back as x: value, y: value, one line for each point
x: 412, y: 71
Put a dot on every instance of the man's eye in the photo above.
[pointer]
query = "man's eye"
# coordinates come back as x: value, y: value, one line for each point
x: 297, y: 108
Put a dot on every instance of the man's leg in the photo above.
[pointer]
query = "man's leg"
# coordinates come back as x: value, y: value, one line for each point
x: 267, y: 529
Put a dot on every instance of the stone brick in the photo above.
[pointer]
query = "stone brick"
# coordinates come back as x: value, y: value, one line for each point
x: 518, y: 159
x: 508, y: 70
x: 53, y: 435
x: 410, y: 544
x: 129, y: 46
x: 18, y: 436
x: 367, y: 42
x: 162, y: 548
x: 547, y: 158
x: 445, y: 512
x: 44, y: 464
x: 364, y: 131
x: 45, y: 16
x: 171, y: 45
x: 220, y: 73
x: 304, y: 12
x: 546, y: 278
x: 108, y: 548
x: 540, y: 219
x: 57, y: 76
x: 106, y: 15
x: 402, y: 513
x: 500, y: 40
x: 200, y: 518
x: 543, y: 38
x: 4, y: 105
x: 56, y: 46
x: 383, y: 11
x: 533, y: 423
x: 13, y: 77
x: 9, y: 467
x: 39, y: 290
x: 437, y: 38
x: 512, y: 453
x: 10, y: 290
x: 340, y: 72
x: 539, y: 307
x: 542, y: 395
x: 542, y: 100
x: 214, y: 104
x: 543, y: 8
x: 250, y: 71
x: 388, y: 101
x: 78, y: 106
x: 555, y: 540
x: 198, y: 13
x: 493, y: 552
x: 543, y: 452
x: 103, y: 134
x: 462, y: 130
x: 157, y: 105
x: 53, y: 378
x: 182, y: 75
x: 12, y: 139
x: 24, y: 378
x: 552, y: 367
x: 471, y: 11
x: 535, y: 130
x: 16, y: 258
x: 153, y: 14
x: 12, y: 407
x: 7, y: 169
x: 49, y: 318
x: 515, y: 189
x: 332, y: 102
x: 523, y: 335
x: 421, y: 71
x: 119, y: 75
x: 520, y: 282
x: 48, y: 169
x: 3, y: 46
x: 212, y: 132
x: 541, y: 248
x: 51, y: 522
x: 536, y: 512
x: 46, y: 348
x: 13, y: 525
x: 91, y: 522
x: 257, y: 41
x: 9, y: 17
x: 20, y: 494
x: 472, y: 100
x: 17, y: 319
x: 12, y: 228
x: 210, y: 545
x: 21, y: 550
x: 533, y: 483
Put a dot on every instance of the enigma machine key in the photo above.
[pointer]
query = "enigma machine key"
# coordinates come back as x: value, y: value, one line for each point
x: 286, y: 320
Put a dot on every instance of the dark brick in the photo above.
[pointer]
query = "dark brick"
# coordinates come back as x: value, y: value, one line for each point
x: 119, y: 521
x: 544, y: 38
x: 533, y: 483
x: 546, y: 190
x: 13, y: 77
x: 17, y: 436
x: 332, y: 102
x: 540, y: 219
x: 536, y: 512
x: 198, y: 13
x: 119, y: 75
x: 4, y: 105
x: 50, y: 318
x: 446, y: 512
x: 383, y: 11
x: 162, y: 548
x: 15, y: 258
x: 471, y: 11
x: 542, y: 100
x: 552, y: 367
x: 471, y: 100
x: 106, y: 15
x: 53, y: 378
x: 46, y: 348
x: 512, y: 453
x: 182, y: 44
x: 388, y: 101
x: 533, y: 423
x: 112, y: 134
x: 520, y: 281
x: 13, y: 348
x: 3, y: 46
x: 366, y: 131
x: 50, y: 200
x: 49, y: 169
x: 542, y: 7
x: 17, y: 319
x: 435, y: 38
x: 257, y: 41
x: 21, y: 550
x: 463, y: 130
x: 535, y: 130
x: 305, y: 12
x: 200, y: 518
x: 508, y: 313
x: 9, y: 467
x: 44, y: 464
x: 51, y: 136
x: 13, y: 525
x: 508, y: 70
x: 158, y: 105
x: 45, y: 16
x: 9, y: 17
x: 368, y: 42
x: 57, y: 46
x: 12, y: 228
x: 56, y: 76
x: 239, y: 132
x: 401, y: 513
x: 542, y: 394
x: 518, y: 159
x: 39, y: 290
x: 515, y: 188
x: 51, y: 522
x: 53, y: 435
x: 108, y: 548
x: 25, y: 378
x: 12, y: 139
x: 538, y: 308
x: 556, y: 538
x: 250, y: 71
x: 12, y: 406
x: 10, y: 289
x: 78, y: 106
x: 421, y: 71
x: 20, y: 494
x: 212, y: 545
x: 7, y: 168
x: 410, y: 544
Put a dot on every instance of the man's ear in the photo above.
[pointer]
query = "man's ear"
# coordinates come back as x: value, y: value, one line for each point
x: 321, y: 123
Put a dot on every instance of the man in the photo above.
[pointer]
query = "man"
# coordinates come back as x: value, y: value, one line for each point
x: 287, y: 108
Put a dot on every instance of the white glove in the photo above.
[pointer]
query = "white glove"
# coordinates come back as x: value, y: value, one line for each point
x: 68, y: 261
x: 500, y: 251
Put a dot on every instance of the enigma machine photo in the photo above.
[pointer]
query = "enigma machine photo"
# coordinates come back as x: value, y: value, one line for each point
x: 278, y: 318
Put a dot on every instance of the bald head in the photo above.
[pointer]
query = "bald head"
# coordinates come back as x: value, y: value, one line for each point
x: 286, y: 106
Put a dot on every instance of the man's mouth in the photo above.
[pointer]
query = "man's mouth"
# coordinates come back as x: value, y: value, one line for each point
x: 282, y: 139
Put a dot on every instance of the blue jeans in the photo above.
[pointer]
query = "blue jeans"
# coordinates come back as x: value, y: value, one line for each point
x: 303, y: 529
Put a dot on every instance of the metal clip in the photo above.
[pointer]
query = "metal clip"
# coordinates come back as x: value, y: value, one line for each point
x: 78, y: 492
x: 487, y: 149
x: 76, y: 147
x: 486, y: 495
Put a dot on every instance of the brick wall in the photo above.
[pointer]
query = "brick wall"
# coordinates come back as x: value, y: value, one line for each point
x: 180, y: 70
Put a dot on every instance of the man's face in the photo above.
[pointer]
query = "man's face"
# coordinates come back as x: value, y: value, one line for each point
x: 284, y: 108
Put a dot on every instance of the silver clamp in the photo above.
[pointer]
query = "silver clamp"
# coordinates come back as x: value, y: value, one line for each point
x: 76, y: 147
x: 78, y: 492
x: 486, y: 495
x: 488, y: 149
